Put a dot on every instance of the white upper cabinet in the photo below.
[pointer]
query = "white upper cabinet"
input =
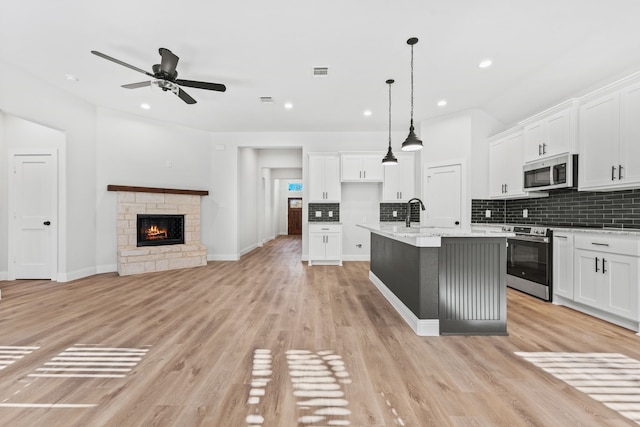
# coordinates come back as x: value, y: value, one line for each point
x: 400, y: 180
x: 609, y: 140
x: 362, y: 167
x: 552, y: 132
x: 324, y: 178
x: 505, y: 165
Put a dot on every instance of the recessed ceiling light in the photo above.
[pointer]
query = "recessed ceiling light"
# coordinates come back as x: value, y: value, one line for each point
x: 71, y: 77
x: 145, y: 106
x: 485, y: 63
x: 367, y: 113
x: 442, y: 103
x: 288, y: 106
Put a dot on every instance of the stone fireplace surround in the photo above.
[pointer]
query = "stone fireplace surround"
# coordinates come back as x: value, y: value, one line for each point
x: 148, y: 200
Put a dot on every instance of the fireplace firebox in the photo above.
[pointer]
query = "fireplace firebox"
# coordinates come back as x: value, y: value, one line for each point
x: 156, y: 230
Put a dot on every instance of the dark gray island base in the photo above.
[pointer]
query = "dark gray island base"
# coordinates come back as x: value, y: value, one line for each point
x: 443, y: 284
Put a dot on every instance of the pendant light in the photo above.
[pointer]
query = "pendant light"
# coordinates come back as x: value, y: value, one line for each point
x: 412, y: 143
x: 390, y: 159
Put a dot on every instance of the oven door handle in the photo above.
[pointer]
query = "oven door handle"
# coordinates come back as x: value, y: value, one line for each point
x: 530, y: 239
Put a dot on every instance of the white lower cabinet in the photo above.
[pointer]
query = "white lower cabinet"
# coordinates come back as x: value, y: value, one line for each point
x: 562, y: 265
x: 325, y: 244
x: 605, y: 275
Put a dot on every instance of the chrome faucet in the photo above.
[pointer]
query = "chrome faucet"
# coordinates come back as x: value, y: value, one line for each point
x: 407, y: 221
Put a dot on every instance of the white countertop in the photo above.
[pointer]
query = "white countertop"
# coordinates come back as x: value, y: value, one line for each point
x: 422, y: 236
x: 615, y: 231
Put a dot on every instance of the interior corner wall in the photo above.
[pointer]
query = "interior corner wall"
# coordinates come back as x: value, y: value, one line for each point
x: 4, y: 203
x: 247, y: 207
x: 57, y: 109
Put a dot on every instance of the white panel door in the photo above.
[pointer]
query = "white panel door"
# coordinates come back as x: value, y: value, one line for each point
x: 443, y: 188
x: 34, y: 249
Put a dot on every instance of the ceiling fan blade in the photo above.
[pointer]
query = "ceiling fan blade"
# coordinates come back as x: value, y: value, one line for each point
x: 186, y: 97
x: 169, y: 61
x: 117, y: 61
x: 202, y: 85
x: 136, y: 85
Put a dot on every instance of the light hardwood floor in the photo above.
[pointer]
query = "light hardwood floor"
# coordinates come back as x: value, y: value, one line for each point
x: 240, y: 343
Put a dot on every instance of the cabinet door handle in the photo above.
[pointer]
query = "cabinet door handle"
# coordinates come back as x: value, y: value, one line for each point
x: 360, y: 174
x: 599, y: 244
x: 560, y: 237
x: 401, y: 195
x: 613, y: 173
x: 619, y: 171
x: 597, y: 265
x: 539, y: 150
x: 506, y: 188
x: 603, y: 268
x: 364, y: 174
x: 544, y: 148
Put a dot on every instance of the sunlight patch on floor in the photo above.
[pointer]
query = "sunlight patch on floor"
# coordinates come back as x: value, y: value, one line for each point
x: 10, y: 354
x: 610, y: 378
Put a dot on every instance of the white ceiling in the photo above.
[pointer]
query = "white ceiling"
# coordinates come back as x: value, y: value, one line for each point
x: 543, y: 51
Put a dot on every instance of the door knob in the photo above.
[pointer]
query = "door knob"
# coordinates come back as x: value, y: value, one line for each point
x: 47, y: 223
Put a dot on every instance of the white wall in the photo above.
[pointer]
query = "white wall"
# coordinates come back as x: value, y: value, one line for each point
x: 360, y: 204
x: 22, y: 95
x: 4, y: 199
x: 247, y: 205
x: 460, y: 137
x: 135, y: 151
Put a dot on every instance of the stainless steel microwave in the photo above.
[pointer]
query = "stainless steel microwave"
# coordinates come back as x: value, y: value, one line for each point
x: 555, y: 172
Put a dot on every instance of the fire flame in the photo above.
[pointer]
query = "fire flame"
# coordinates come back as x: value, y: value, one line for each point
x: 154, y: 233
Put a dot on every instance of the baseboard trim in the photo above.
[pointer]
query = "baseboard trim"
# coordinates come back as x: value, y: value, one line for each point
x: 109, y: 268
x: 78, y: 274
x: 600, y: 314
x: 249, y: 249
x: 223, y: 257
x: 364, y: 257
x: 422, y: 327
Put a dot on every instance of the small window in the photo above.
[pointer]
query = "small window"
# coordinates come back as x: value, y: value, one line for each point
x: 295, y: 186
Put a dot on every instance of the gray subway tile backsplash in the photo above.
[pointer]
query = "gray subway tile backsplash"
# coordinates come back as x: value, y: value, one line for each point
x: 324, y: 209
x: 565, y: 208
x: 387, y: 209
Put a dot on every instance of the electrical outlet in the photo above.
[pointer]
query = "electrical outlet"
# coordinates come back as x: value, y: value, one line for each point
x: 525, y: 213
x: 487, y: 213
x: 395, y: 214
x: 318, y: 214
x: 169, y: 163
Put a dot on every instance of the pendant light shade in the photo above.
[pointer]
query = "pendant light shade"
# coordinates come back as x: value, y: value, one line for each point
x: 412, y: 143
x: 390, y: 159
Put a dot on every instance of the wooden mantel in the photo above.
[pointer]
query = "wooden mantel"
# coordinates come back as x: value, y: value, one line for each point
x: 132, y: 189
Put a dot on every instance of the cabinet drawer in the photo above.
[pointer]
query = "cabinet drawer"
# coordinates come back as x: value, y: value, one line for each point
x: 606, y: 243
x: 325, y: 228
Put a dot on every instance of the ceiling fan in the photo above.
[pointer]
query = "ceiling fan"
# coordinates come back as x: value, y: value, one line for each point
x: 165, y: 76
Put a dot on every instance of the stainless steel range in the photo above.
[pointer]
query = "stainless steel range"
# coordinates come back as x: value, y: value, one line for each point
x: 529, y: 260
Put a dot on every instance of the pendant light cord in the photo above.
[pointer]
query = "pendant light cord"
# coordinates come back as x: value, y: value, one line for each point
x: 411, y: 85
x: 389, y: 115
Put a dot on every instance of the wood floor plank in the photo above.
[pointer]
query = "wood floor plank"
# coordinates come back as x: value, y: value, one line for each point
x: 208, y: 331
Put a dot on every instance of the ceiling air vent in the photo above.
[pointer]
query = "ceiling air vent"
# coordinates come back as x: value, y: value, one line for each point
x: 266, y: 100
x: 320, y: 71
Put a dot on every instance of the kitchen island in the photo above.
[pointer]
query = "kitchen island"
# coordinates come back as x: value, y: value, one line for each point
x: 442, y: 281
